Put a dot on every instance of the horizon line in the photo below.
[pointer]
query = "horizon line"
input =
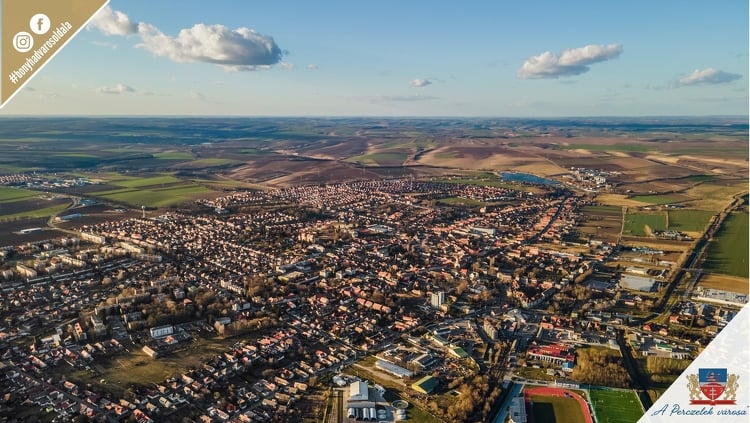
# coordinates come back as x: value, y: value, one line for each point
x: 427, y: 117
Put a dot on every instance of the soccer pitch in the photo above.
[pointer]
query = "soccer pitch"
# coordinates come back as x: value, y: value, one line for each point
x: 616, y: 406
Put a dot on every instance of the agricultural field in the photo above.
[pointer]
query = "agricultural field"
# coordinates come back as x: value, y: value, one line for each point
x: 602, y: 223
x: 8, y: 194
x: 207, y: 163
x: 616, y: 406
x: 556, y: 409
x: 725, y: 283
x: 18, y: 203
x: 155, y: 197
x: 689, y: 220
x: 657, y: 199
x: 385, y: 158
x: 714, y: 195
x: 728, y: 252
x: 642, y: 224
x: 631, y: 147
x: 135, y: 182
x: 174, y: 155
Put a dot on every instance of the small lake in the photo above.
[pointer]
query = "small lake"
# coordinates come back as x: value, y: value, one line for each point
x: 527, y: 178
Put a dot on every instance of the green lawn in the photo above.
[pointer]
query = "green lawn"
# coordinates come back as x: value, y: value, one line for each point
x: 9, y: 194
x: 728, y: 252
x: 556, y: 410
x: 616, y: 406
x: 689, y: 220
x: 635, y: 224
x: 413, y: 413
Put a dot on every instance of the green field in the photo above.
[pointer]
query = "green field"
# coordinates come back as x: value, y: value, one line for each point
x: 556, y: 409
x: 655, y: 199
x: 689, y: 220
x: 490, y: 183
x: 603, y: 210
x: 136, y: 182
x: 616, y: 406
x: 728, y: 252
x: 174, y: 155
x: 209, y: 162
x: 379, y: 159
x: 41, y: 212
x: 8, y: 194
x: 155, y: 197
x: 635, y: 224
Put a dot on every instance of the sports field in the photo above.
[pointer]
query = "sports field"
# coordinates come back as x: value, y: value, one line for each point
x: 557, y: 405
x: 615, y: 406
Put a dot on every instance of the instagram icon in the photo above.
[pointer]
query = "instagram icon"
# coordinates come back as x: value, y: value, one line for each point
x: 23, y: 42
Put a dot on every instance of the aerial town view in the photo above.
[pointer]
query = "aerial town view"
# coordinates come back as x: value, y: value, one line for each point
x: 371, y: 257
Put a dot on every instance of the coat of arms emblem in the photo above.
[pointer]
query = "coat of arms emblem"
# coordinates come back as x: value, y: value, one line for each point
x: 712, y: 387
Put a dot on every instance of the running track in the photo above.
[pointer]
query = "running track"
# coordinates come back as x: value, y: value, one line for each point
x: 557, y: 392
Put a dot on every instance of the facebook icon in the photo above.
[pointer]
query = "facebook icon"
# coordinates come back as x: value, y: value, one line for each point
x: 39, y: 24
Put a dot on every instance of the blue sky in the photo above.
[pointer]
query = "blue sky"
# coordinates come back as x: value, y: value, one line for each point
x: 398, y: 58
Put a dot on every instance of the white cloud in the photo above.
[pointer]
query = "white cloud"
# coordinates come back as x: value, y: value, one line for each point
x: 312, y: 66
x: 117, y: 89
x: 113, y: 22
x: 419, y: 83
x: 286, y: 65
x: 568, y: 63
x: 709, y: 76
x: 241, y: 49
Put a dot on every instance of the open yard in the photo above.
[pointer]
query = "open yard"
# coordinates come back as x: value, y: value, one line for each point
x: 728, y: 252
x: 136, y: 368
x: 616, y: 406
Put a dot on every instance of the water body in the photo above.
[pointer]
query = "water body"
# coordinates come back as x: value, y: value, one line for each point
x: 527, y: 178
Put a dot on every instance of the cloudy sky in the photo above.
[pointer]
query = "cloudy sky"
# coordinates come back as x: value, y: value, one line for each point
x: 401, y: 58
